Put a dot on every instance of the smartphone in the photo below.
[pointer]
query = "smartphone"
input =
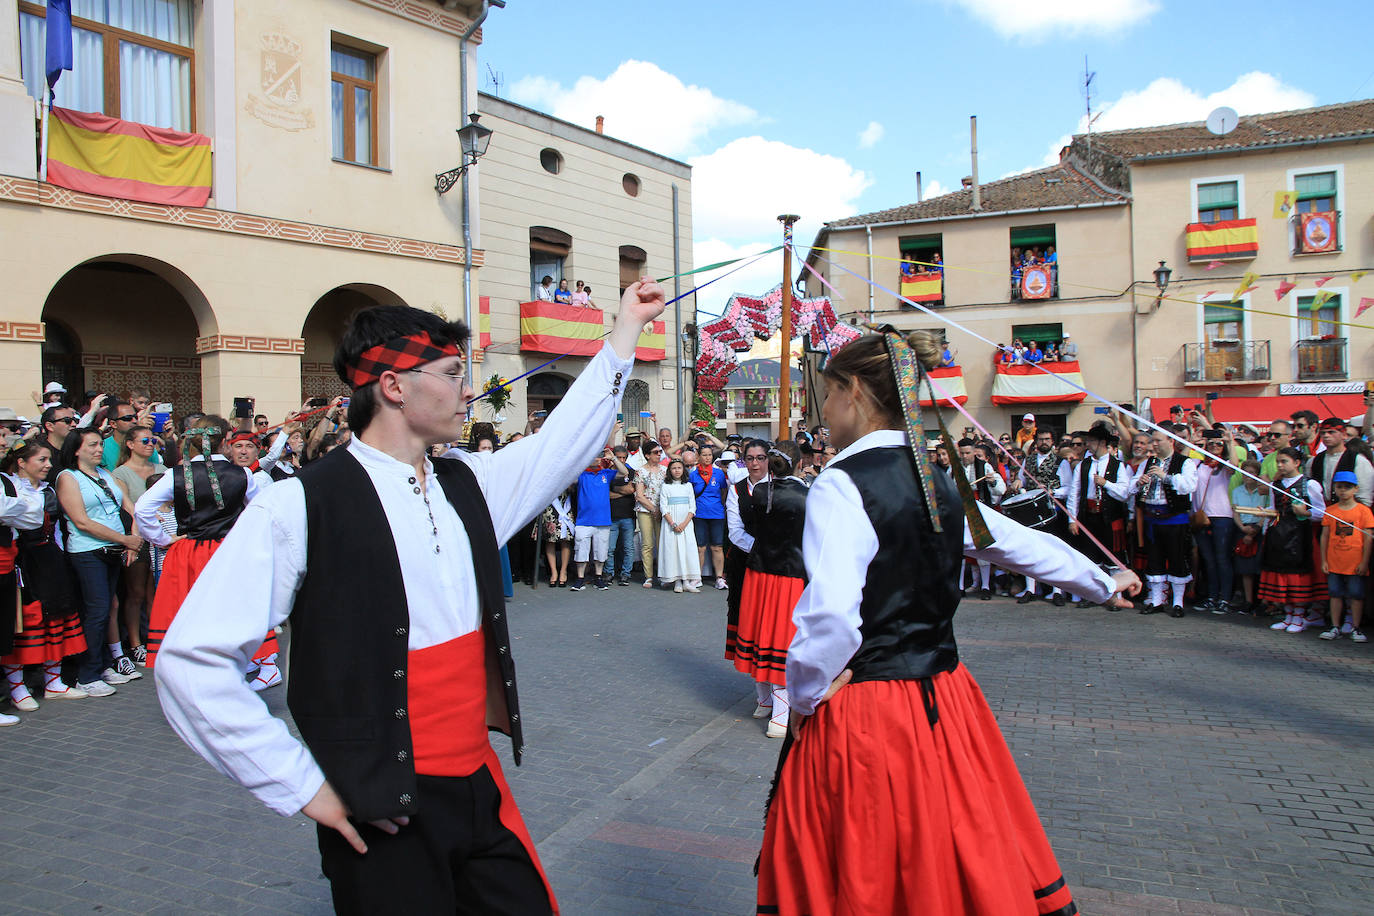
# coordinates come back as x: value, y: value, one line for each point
x: 1213, y: 395
x: 162, y: 408
x: 699, y: 424
x: 243, y: 408
x: 316, y: 402
x: 345, y: 402
x: 620, y: 418
x: 646, y: 414
x: 540, y: 414
x: 1102, y: 410
x: 1198, y: 408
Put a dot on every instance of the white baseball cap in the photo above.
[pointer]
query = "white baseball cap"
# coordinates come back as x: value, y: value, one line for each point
x: 1029, y: 416
x: 727, y: 455
x: 54, y: 388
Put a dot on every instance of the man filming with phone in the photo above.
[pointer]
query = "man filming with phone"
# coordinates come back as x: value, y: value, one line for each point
x: 386, y: 563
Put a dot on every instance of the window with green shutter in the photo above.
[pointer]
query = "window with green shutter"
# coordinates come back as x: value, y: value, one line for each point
x: 1318, y: 320
x: 1316, y: 192
x: 1218, y: 200
x: 1221, y: 322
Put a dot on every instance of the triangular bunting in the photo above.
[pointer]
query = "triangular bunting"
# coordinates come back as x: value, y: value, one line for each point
x: 1247, y: 284
x: 1284, y: 289
x: 1365, y: 303
x: 1213, y: 265
x: 1321, y: 298
x: 1357, y: 276
x: 1322, y: 282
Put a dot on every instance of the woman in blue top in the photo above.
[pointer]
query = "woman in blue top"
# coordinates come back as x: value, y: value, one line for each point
x: 708, y: 486
x: 98, y: 545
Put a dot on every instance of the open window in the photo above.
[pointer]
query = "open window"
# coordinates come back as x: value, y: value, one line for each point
x: 923, y: 269
x: 632, y: 261
x: 1316, y: 212
x: 1320, y: 347
x: 1034, y: 263
x: 549, y: 251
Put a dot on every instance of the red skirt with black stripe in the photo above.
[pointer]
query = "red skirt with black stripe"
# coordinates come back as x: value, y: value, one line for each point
x: 1290, y: 588
x: 180, y: 569
x: 879, y: 810
x: 45, y: 640
x: 765, y: 625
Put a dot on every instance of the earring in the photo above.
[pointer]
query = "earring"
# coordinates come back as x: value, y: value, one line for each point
x: 402, y: 404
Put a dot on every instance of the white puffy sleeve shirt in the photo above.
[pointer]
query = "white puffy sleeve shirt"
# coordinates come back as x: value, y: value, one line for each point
x: 839, y: 543
x: 250, y: 585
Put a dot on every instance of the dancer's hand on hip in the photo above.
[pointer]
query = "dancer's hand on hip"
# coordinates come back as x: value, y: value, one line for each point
x: 328, y: 809
x: 796, y: 716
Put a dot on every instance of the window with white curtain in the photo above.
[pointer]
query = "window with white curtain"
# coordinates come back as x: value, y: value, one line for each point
x: 131, y: 59
x: 353, y: 109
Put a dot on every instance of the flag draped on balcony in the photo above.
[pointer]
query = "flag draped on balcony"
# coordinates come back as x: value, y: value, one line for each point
x: 101, y: 155
x: 553, y: 327
x: 1229, y: 239
x: 1025, y: 384
x: 923, y: 286
x: 652, y: 345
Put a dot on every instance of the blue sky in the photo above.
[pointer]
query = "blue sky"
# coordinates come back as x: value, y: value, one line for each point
x: 826, y: 112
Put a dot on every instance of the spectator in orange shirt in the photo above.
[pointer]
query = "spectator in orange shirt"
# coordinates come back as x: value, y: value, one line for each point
x: 1025, y: 436
x: 1346, y: 530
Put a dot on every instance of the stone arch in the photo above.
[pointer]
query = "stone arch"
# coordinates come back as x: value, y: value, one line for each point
x: 545, y: 390
x: 120, y: 321
x: 324, y: 327
x: 635, y: 402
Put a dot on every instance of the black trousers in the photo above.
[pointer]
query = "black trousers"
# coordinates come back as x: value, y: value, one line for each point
x: 455, y: 857
x: 520, y: 549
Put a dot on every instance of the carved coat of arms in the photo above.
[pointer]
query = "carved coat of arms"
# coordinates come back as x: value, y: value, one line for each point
x: 278, y: 101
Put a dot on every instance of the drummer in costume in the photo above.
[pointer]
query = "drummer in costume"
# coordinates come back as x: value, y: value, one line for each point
x: 387, y: 565
x: 898, y: 795
x: 739, y: 528
x: 1040, y: 472
x: 1163, y: 490
x: 773, y: 582
x: 208, y: 493
x: 988, y: 488
x: 51, y: 612
x: 1098, y: 494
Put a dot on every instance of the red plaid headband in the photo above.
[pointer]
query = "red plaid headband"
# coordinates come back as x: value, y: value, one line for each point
x: 398, y: 355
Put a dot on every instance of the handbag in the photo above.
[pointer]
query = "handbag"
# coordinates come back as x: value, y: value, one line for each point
x: 1246, y: 548
x: 1200, y: 520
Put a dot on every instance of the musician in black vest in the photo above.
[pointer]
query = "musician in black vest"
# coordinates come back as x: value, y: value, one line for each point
x: 876, y: 804
x: 1098, y: 495
x: 1164, y: 490
x: 386, y: 563
x: 1040, y: 471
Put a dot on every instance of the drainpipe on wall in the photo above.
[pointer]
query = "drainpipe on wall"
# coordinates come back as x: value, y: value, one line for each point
x: 677, y: 317
x: 869, y: 230
x: 467, y: 199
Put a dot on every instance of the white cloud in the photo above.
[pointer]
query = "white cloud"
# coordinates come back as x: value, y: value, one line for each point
x: 759, y: 277
x: 933, y: 188
x: 642, y: 103
x: 1059, y: 18
x: 739, y: 190
x: 1168, y: 101
x: 870, y: 135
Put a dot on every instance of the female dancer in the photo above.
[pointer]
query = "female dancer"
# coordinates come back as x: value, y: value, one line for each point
x: 1286, y: 576
x: 51, y: 611
x: 899, y: 794
x: 773, y: 581
x: 208, y: 493
x: 739, y: 526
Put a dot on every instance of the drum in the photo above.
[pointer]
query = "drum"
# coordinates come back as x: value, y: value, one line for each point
x: 1034, y: 509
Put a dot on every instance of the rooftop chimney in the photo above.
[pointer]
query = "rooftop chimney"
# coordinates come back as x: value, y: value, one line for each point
x: 600, y: 124
x: 977, y: 203
x: 967, y: 181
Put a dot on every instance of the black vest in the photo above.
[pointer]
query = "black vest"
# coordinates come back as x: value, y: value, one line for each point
x: 1177, y: 502
x: 1318, y: 471
x: 1112, y: 508
x: 746, y: 511
x: 984, y: 489
x: 911, y: 591
x: 208, y: 522
x: 6, y: 532
x: 350, y: 627
x: 278, y: 475
x: 778, y: 528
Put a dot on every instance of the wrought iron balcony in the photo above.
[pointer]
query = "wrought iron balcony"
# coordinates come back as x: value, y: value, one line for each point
x: 1226, y: 361
x: 1322, y: 360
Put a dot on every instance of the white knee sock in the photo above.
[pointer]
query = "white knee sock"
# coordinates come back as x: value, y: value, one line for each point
x: 984, y: 573
x: 14, y: 679
x: 1030, y: 586
x: 780, y: 710
x: 1157, y: 584
x: 1179, y: 587
x: 763, y: 693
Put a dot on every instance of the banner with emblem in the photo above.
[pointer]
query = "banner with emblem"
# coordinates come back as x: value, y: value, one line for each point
x: 1037, y: 282
x: 1317, y: 232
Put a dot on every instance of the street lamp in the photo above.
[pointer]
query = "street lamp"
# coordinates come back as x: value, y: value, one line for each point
x: 1162, y: 275
x: 474, y: 139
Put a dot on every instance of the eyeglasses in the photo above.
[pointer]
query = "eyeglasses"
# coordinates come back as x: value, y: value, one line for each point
x: 1076, y: 444
x: 755, y: 457
x: 146, y: 441
x: 128, y: 419
x: 68, y: 420
x: 446, y: 376
x: 259, y: 422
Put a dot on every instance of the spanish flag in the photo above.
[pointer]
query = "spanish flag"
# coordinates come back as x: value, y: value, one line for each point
x: 564, y: 330
x: 923, y: 287
x: 113, y: 158
x: 1229, y: 239
x: 483, y: 322
x: 652, y: 345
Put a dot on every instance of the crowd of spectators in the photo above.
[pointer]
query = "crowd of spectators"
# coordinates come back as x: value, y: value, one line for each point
x: 545, y: 291
x: 1022, y: 353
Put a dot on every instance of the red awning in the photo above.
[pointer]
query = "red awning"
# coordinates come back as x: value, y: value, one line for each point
x: 1261, y: 411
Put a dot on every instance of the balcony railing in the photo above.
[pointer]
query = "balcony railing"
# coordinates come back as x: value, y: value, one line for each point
x: 1322, y: 360
x: 1317, y: 233
x: 1035, y: 281
x: 1226, y: 361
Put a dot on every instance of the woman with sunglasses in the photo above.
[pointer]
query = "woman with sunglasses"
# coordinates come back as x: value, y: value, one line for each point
x: 51, y: 609
x: 99, y: 545
x: 135, y: 467
x: 648, y: 484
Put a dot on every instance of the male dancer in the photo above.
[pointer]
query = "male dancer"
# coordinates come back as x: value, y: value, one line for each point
x: 1164, y: 490
x: 988, y: 488
x: 1040, y: 471
x: 386, y: 564
x: 1098, y: 495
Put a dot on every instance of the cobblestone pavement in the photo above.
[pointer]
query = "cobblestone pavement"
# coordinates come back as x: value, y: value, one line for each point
x: 1202, y: 766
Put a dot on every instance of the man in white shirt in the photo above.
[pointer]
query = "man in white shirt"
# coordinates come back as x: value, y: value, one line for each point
x: 989, y: 488
x: 1098, y: 492
x: 386, y: 562
x: 544, y: 291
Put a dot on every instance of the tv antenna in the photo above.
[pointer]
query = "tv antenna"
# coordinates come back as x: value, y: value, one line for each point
x: 1088, y: 77
x: 496, y: 80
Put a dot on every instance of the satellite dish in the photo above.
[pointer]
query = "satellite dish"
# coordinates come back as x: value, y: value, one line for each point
x: 1222, y: 121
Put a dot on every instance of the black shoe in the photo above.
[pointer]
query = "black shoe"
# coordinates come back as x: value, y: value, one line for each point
x: 1176, y: 611
x: 1057, y: 600
x: 1027, y: 598
x: 985, y: 595
x: 600, y: 584
x: 1148, y: 609
x: 576, y: 585
x: 623, y: 580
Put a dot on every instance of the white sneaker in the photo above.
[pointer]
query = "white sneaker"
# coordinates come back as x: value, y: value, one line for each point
x: 694, y: 589
x: 96, y: 689
x: 6, y: 719
x: 1282, y: 624
x: 677, y: 587
x: 1333, y: 633
x: 111, y: 676
x: 1297, y: 626
x: 1358, y: 636
x: 777, y: 731
x: 66, y: 693
x: 763, y: 712
x: 720, y: 584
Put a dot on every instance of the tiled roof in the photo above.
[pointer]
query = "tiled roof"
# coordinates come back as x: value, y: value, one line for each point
x: 1310, y: 125
x: 1060, y: 185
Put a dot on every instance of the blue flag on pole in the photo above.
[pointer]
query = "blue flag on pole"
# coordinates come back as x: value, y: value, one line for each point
x: 59, y: 49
